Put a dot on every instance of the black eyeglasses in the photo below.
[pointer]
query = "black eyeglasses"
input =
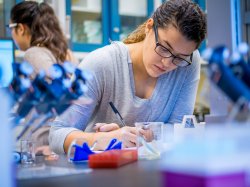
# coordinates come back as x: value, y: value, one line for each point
x: 11, y: 25
x: 165, y: 53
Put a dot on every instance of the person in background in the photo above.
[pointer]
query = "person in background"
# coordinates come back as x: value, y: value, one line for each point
x: 35, y: 29
x: 151, y: 76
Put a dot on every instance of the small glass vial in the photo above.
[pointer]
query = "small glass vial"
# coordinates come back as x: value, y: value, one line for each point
x: 27, y: 152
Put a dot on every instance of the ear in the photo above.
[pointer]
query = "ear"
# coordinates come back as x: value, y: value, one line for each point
x: 21, y: 29
x: 149, y: 25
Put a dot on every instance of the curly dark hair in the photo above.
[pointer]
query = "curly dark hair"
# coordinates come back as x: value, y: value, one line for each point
x: 185, y: 15
x: 44, y: 26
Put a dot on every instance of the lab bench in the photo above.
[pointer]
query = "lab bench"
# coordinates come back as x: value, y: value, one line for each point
x: 62, y: 173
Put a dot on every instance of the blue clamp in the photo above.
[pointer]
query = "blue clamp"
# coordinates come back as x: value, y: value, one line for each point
x: 82, y: 152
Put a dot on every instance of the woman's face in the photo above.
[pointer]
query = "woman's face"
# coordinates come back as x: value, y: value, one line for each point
x: 21, y: 36
x: 170, y: 40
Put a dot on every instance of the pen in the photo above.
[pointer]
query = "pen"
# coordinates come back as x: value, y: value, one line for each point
x: 118, y: 115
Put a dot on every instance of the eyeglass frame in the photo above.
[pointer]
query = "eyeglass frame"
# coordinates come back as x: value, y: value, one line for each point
x: 11, y: 25
x: 171, y: 54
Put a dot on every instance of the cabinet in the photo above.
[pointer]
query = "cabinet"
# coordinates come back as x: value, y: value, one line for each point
x: 95, y: 22
x: 90, y: 24
x: 127, y: 15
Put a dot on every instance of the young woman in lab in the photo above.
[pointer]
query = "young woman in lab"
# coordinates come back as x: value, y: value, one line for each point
x: 151, y: 76
x: 36, y: 30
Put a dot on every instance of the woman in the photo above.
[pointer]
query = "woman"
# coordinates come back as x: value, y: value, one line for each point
x: 152, y: 76
x: 36, y: 30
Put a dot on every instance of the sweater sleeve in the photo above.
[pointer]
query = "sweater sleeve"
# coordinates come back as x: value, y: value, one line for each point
x: 186, y: 98
x: 77, y: 116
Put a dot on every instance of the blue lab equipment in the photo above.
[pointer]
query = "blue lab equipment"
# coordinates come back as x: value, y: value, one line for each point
x: 82, y: 152
x: 16, y: 157
x: 21, y: 81
x: 224, y: 78
x: 240, y: 68
x: 49, y: 96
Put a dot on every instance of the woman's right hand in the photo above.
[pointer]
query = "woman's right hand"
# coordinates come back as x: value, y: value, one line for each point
x: 147, y: 134
x: 127, y: 135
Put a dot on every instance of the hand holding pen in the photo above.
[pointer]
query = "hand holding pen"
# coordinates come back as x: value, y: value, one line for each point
x: 104, y: 127
x: 127, y: 134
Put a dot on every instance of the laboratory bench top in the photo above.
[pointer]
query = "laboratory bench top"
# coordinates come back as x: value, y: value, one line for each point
x: 62, y: 173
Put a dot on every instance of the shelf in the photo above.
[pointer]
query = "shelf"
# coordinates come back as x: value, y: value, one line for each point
x: 133, y: 14
x: 85, y: 9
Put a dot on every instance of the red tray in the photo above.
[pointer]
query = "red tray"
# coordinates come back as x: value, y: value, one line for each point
x: 112, y: 158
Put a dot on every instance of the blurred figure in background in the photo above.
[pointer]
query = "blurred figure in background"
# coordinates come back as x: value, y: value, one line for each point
x: 36, y: 30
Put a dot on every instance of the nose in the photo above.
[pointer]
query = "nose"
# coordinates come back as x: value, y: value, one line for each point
x: 167, y: 62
